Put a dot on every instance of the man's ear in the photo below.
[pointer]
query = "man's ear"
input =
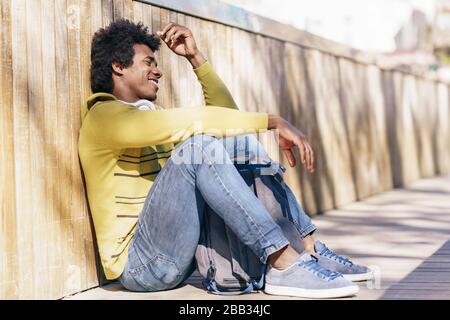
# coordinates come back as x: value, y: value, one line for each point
x: 117, y: 68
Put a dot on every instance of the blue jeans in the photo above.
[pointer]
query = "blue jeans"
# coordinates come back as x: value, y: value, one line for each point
x: 201, y: 170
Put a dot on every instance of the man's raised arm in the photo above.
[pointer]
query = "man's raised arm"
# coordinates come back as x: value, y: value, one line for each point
x: 181, y: 41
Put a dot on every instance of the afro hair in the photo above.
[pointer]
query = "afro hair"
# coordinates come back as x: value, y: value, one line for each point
x: 114, y: 43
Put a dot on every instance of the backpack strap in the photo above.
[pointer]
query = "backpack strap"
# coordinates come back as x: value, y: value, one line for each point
x: 252, y: 166
x: 211, y: 285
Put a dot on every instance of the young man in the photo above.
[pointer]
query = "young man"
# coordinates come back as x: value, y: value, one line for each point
x: 147, y: 206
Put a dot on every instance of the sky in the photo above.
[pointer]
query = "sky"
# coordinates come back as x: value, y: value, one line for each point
x: 368, y: 25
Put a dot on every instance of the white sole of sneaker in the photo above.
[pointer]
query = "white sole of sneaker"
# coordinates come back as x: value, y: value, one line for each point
x: 313, y: 294
x: 359, y: 277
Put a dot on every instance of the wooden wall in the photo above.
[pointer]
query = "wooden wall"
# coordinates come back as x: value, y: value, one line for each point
x: 371, y: 129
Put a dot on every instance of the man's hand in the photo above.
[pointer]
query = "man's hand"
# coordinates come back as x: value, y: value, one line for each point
x: 289, y: 136
x: 180, y: 40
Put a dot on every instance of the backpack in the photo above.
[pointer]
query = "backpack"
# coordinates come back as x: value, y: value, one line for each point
x: 224, y: 262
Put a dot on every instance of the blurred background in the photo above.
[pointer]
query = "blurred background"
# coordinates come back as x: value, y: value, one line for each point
x: 411, y: 34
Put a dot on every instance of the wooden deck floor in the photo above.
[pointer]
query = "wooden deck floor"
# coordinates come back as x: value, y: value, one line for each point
x: 404, y: 234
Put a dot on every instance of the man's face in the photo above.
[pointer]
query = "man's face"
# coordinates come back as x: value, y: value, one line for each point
x: 142, y: 76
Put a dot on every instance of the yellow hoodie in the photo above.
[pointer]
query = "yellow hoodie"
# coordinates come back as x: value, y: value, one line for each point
x: 122, y: 149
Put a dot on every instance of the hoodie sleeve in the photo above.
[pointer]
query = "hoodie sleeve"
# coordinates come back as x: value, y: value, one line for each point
x: 214, y: 89
x: 118, y: 125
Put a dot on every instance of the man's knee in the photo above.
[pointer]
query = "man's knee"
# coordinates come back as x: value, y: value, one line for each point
x: 245, y: 149
x: 200, y: 148
x: 197, y: 139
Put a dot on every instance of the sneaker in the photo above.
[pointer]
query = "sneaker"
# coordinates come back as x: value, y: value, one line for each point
x: 305, y: 278
x: 331, y: 260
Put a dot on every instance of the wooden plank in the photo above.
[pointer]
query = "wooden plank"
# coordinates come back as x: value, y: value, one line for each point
x: 406, y: 143
x: 235, y: 67
x: 107, y: 12
x: 78, y: 276
x: 382, y: 181
x: 156, y: 25
x: 245, y: 74
x: 424, y: 125
x: 147, y: 16
x: 128, y: 12
x: 51, y: 230
x: 414, y: 295
x: 40, y: 150
x: 86, y: 11
x: 156, y: 18
x: 8, y: 236
x: 193, y: 92
x: 172, y: 68
x: 164, y: 93
x: 225, y: 70
x: 421, y: 286
x: 390, y: 111
x: 207, y: 32
x: 62, y: 123
x: 73, y: 185
x: 137, y: 11
x: 185, y: 75
x: 97, y: 11
x: 118, y: 9
x: 25, y: 259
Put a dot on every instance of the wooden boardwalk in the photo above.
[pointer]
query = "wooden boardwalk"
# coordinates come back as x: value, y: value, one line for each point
x: 404, y: 234
x: 430, y: 280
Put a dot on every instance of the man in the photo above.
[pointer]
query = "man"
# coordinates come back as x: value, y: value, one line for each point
x: 147, y: 207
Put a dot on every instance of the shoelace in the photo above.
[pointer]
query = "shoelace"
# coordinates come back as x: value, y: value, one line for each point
x: 318, y: 270
x: 333, y: 255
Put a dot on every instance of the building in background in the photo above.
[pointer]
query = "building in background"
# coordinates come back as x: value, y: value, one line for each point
x: 414, y: 45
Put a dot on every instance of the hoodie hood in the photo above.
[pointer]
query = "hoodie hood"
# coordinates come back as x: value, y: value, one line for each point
x: 93, y: 99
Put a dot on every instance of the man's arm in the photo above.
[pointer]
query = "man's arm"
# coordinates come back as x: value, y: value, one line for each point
x: 118, y: 125
x: 214, y: 89
x: 181, y: 41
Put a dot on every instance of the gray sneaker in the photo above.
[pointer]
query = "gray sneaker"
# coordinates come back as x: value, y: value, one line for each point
x: 307, y: 279
x: 331, y: 260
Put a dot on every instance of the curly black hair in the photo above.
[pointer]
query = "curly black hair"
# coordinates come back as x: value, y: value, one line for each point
x: 115, y: 44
